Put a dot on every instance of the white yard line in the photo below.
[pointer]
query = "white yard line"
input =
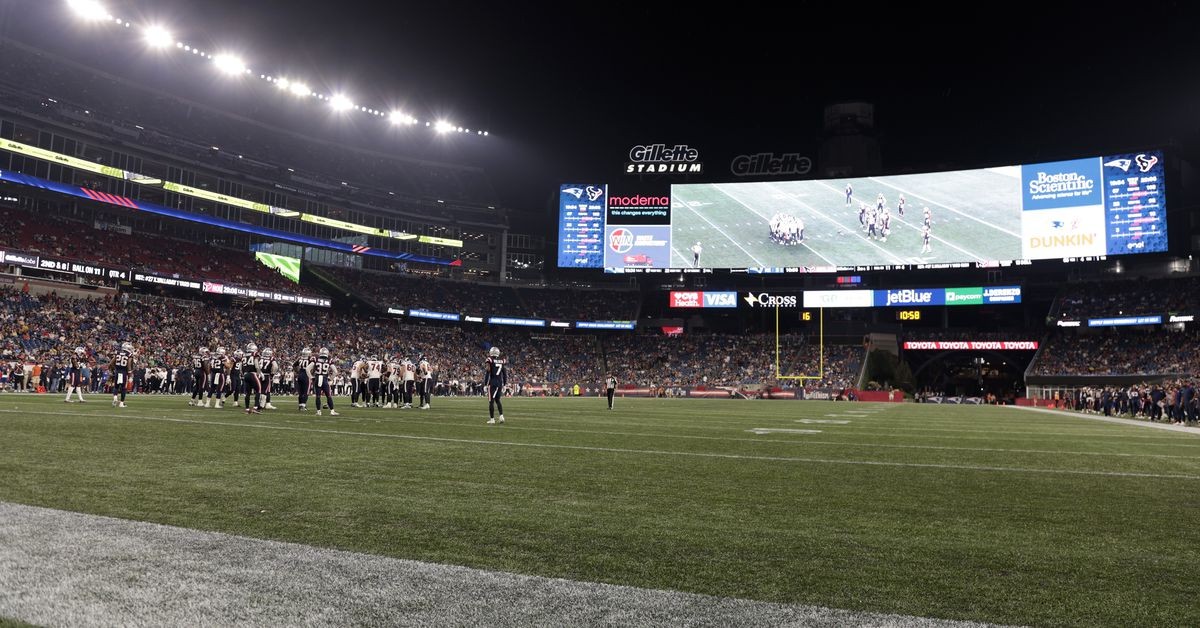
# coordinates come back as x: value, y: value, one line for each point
x: 721, y: 231
x: 960, y: 213
x: 653, y: 452
x: 1112, y: 419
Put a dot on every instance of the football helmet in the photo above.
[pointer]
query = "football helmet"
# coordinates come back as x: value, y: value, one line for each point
x: 324, y: 351
x: 268, y: 353
x: 220, y: 350
x: 306, y: 352
x: 494, y: 352
x: 203, y: 350
x: 237, y: 353
x: 251, y: 348
x: 127, y: 347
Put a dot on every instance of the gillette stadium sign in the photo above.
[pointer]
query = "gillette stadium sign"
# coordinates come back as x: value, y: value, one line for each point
x: 663, y: 159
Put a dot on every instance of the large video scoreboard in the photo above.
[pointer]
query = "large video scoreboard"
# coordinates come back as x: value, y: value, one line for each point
x: 1071, y: 210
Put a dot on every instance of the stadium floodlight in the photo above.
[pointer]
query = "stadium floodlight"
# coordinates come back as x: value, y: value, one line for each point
x: 89, y: 9
x: 299, y: 89
x: 157, y: 37
x: 283, y: 83
x: 443, y: 126
x: 229, y: 64
x: 399, y: 117
x: 339, y: 102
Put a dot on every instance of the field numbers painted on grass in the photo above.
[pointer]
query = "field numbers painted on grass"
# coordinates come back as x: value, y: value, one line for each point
x: 764, y: 430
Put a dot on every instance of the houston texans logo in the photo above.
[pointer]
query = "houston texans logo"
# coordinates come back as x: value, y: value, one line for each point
x: 1123, y: 164
x: 1146, y: 163
x: 576, y: 192
x: 594, y: 192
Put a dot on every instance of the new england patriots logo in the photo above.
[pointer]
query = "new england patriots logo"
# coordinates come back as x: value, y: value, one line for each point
x: 594, y: 192
x: 1123, y: 164
x: 1146, y: 163
x: 576, y: 192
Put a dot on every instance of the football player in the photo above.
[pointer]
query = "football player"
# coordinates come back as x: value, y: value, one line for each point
x: 217, y: 364
x: 304, y: 368
x: 269, y: 367
x: 251, y: 377
x: 408, y: 376
x: 75, y: 374
x: 323, y: 374
x: 121, y: 365
x: 374, y: 375
x: 199, y: 375
x: 494, y: 379
x: 425, y: 383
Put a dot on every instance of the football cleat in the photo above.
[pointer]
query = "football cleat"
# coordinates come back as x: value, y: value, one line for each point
x: 491, y: 421
x: 332, y: 412
x: 270, y: 406
x: 501, y: 419
x: 122, y: 405
x: 319, y: 412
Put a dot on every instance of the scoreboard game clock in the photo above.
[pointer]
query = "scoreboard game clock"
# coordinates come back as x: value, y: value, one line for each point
x: 908, y: 315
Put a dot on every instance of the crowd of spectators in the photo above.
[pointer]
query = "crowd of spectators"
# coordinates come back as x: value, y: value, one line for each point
x: 52, y: 236
x: 1173, y: 401
x: 1095, y: 299
x: 407, y: 291
x: 1116, y: 351
x: 44, y: 330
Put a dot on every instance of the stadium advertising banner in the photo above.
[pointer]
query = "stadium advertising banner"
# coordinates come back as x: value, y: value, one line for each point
x: 960, y: 345
x: 703, y: 299
x: 907, y: 297
x: 30, y: 260
x: 264, y: 295
x: 1123, y: 321
x: 162, y: 280
x: 626, y: 325
x: 437, y: 316
x: 989, y: 217
x: 521, y: 322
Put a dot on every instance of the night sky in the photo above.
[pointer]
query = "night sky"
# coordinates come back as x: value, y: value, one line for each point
x: 566, y: 89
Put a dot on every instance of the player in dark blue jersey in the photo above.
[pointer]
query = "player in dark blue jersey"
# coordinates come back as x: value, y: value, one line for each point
x: 217, y: 365
x: 303, y: 368
x: 849, y: 193
x: 75, y: 382
x: 269, y: 368
x: 199, y: 376
x: 494, y: 380
x: 121, y: 365
x: 251, y: 377
x: 322, y: 379
x: 235, y: 374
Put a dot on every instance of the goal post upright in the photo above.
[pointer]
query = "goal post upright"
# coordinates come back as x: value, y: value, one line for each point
x: 820, y: 349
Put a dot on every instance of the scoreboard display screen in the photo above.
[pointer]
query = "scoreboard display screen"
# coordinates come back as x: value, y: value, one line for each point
x: 1080, y: 209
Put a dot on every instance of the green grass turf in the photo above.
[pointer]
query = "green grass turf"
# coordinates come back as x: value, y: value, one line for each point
x: 12, y: 623
x: 997, y: 526
x: 976, y: 216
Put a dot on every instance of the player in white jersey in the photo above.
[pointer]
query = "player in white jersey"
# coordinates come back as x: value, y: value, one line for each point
x: 374, y: 375
x: 393, y: 384
x: 409, y: 376
x: 270, y: 373
x: 357, y: 377
x: 425, y: 382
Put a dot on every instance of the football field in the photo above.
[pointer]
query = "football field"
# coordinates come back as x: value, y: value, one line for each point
x: 968, y: 513
x: 976, y: 216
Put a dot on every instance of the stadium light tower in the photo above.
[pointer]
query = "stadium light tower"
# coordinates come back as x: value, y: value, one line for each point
x: 229, y: 64
x: 158, y: 37
x: 88, y: 9
x: 299, y: 89
x: 340, y: 102
x: 399, y: 117
x: 443, y: 126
